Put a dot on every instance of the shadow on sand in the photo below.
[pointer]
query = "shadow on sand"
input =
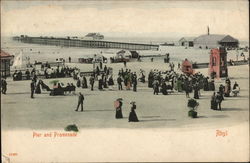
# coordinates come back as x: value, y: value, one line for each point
x: 17, y: 93
x: 233, y: 109
x: 219, y: 116
x: 202, y: 117
x: 151, y: 120
x: 97, y: 110
x: 150, y: 116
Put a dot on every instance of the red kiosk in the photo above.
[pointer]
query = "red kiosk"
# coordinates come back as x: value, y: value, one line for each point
x: 218, y: 63
x: 6, y: 60
x: 187, y: 67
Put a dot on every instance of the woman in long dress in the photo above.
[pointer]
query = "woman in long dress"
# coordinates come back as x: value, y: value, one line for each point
x: 132, y: 115
x: 38, y: 88
x: 227, y: 90
x: 118, y: 108
x: 213, y: 102
x: 110, y: 82
x: 196, y: 91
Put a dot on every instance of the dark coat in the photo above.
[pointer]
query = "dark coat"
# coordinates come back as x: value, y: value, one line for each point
x: 132, y: 115
x: 80, y: 98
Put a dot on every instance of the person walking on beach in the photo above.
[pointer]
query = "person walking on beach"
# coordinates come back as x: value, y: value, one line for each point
x: 134, y: 82
x: 221, y: 91
x: 91, y: 82
x: 4, y: 86
x: 32, y: 87
x: 69, y: 59
x: 132, y: 115
x: 80, y: 101
x: 118, y: 108
x: 125, y: 63
x: 219, y: 99
x: 119, y: 81
x: 156, y: 87
x: 110, y: 82
x: 213, y: 102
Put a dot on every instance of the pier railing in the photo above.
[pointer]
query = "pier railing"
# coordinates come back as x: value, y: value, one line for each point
x: 86, y: 43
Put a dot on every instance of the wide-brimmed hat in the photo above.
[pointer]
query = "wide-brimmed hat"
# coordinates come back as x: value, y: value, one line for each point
x: 119, y: 99
x: 132, y: 102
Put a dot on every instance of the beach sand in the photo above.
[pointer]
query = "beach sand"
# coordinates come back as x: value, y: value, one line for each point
x: 164, y: 133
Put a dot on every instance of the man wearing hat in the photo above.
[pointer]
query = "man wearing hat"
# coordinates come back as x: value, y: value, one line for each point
x: 219, y: 99
x: 80, y: 101
x: 221, y: 91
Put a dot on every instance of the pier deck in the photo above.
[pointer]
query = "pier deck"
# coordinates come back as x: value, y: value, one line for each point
x: 85, y: 43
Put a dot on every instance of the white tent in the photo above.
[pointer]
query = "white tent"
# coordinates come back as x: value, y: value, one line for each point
x: 21, y: 61
x: 18, y: 60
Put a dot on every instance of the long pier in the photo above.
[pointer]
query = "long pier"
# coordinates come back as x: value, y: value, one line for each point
x: 68, y: 42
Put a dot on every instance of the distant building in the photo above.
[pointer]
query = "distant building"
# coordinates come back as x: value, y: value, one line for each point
x: 187, y: 41
x: 214, y: 41
x: 5, y: 63
x: 94, y: 36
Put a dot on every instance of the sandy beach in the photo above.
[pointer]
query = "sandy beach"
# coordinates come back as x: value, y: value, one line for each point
x: 163, y: 131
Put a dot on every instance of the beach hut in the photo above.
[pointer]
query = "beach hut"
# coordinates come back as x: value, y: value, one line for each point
x: 6, y: 60
x: 187, y: 41
x: 187, y: 67
x: 214, y: 40
x: 218, y: 63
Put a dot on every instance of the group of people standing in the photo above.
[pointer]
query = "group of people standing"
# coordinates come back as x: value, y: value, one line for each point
x: 224, y: 91
x: 170, y: 80
x: 128, y: 78
x: 104, y: 79
x: 59, y: 72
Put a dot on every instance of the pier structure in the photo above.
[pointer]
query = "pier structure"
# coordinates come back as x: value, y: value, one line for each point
x: 68, y: 42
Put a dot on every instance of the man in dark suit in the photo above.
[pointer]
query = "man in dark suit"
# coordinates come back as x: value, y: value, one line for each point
x: 32, y: 87
x: 119, y: 82
x: 80, y: 101
x: 219, y: 99
x: 4, y: 86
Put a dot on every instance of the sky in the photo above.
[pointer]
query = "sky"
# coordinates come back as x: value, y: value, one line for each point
x: 125, y: 18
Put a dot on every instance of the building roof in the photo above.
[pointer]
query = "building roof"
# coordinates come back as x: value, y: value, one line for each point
x: 214, y: 39
x: 93, y: 34
x: 187, y: 39
x: 5, y: 55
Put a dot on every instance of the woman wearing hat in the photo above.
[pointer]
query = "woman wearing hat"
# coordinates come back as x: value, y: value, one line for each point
x: 118, y: 108
x: 132, y: 115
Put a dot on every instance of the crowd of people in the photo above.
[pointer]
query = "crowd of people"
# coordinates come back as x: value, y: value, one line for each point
x: 224, y: 91
x: 47, y: 71
x: 104, y: 79
x: 167, y: 81
x: 59, y: 72
x: 163, y: 82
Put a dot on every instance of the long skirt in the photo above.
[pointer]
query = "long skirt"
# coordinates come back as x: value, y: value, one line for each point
x: 118, y: 113
x: 213, y: 105
x: 100, y: 85
x: 206, y: 87
x: 196, y: 94
x: 38, y: 89
x: 133, y: 117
